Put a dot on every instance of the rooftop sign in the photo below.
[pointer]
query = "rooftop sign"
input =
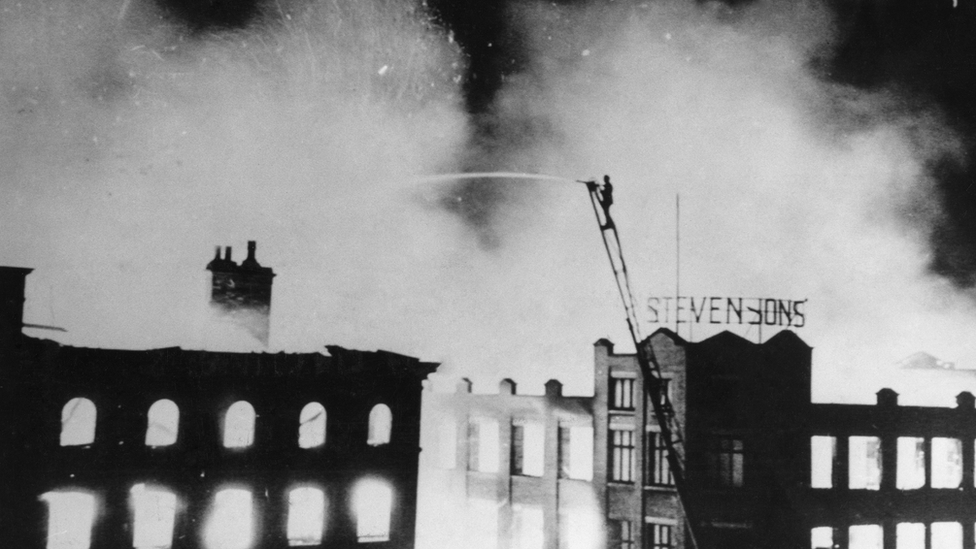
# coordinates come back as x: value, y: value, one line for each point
x: 752, y: 311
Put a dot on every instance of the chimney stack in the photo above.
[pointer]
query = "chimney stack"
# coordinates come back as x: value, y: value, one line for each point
x: 241, y: 293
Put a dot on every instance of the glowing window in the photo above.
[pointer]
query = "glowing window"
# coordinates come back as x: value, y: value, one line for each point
x: 447, y: 444
x: 865, y: 536
x: 380, y: 425
x: 528, y: 447
x: 311, y: 429
x: 164, y: 422
x: 483, y: 445
x: 947, y: 535
x: 78, y: 422
x: 230, y: 524
x: 373, y: 503
x: 154, y: 513
x: 822, y: 537
x: 946, y: 462
x: 864, y: 462
x: 239, y: 425
x: 911, y: 463
x: 823, y: 451
x: 576, y: 452
x: 71, y: 517
x: 909, y: 535
x: 306, y: 516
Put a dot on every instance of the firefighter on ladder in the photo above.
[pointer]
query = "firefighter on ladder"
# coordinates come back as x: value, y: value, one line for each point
x: 604, y: 195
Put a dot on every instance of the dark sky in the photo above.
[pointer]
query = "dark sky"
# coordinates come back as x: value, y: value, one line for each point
x: 925, y: 49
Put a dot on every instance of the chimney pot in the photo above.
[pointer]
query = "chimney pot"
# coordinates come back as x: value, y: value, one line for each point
x: 251, y: 247
x: 227, y: 251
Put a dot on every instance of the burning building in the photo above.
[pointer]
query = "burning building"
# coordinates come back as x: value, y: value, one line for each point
x: 173, y: 448
x: 558, y: 472
x: 241, y: 294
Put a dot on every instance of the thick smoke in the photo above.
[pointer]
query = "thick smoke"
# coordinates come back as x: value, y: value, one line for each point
x: 790, y: 186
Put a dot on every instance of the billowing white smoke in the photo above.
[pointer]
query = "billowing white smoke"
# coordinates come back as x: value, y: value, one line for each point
x: 791, y: 187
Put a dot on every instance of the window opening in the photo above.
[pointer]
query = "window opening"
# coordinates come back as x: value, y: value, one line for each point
x: 622, y: 393
x: 230, y: 525
x: 823, y: 453
x: 659, y: 536
x: 306, y: 516
x: 621, y: 455
x: 78, y: 422
x: 658, y: 471
x: 946, y: 462
x: 946, y: 535
x: 239, y: 425
x: 621, y: 534
x: 311, y: 426
x: 864, y: 463
x: 726, y: 462
x: 528, y: 445
x: 911, y: 463
x: 71, y: 516
x: 910, y: 535
x: 483, y: 445
x: 154, y: 514
x: 373, y: 504
x: 865, y: 536
x: 380, y: 425
x: 164, y: 422
x: 822, y: 537
x: 576, y: 452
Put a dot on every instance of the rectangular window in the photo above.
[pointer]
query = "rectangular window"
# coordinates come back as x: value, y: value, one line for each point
x: 528, y: 447
x: 527, y: 527
x: 621, y: 455
x: 946, y: 535
x: 71, y: 516
x: 865, y: 536
x: 864, y: 463
x: 576, y: 452
x: 483, y: 445
x: 658, y: 536
x: 726, y: 462
x: 621, y: 393
x: 822, y: 537
x: 658, y: 471
x: 910, y: 535
x: 665, y: 390
x: 946, y: 462
x: 823, y: 452
x: 154, y: 513
x: 621, y: 534
x: 911, y: 463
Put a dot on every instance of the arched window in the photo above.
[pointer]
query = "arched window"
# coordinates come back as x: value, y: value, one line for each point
x: 311, y: 429
x: 306, y: 516
x: 230, y: 525
x: 239, y: 425
x: 380, y: 425
x: 78, y: 422
x: 164, y: 423
x: 154, y: 514
x: 373, y: 501
x: 71, y: 516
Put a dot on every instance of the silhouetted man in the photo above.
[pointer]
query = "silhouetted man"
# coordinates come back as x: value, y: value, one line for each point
x: 606, y: 200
